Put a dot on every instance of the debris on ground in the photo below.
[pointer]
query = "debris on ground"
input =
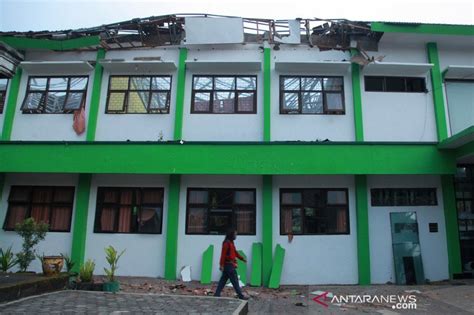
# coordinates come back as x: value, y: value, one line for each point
x: 329, y: 294
x: 413, y: 291
x: 185, y: 273
x: 300, y: 304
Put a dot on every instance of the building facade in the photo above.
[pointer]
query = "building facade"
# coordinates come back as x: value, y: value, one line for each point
x: 339, y: 160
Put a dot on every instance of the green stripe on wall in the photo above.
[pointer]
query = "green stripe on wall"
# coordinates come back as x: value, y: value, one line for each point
x: 267, y: 104
x: 363, y: 247
x: 437, y: 90
x: 451, y: 221
x: 79, y: 231
x: 171, y: 256
x: 267, y: 228
x: 180, y: 92
x: 95, y: 97
x: 422, y: 28
x: 10, y: 108
x: 357, y: 100
x: 34, y: 43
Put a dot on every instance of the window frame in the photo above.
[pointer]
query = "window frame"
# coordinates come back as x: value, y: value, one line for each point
x: 384, y: 84
x: 393, y: 201
x: 301, y: 190
x: 206, y: 205
x: 51, y: 204
x: 116, y: 206
x: 213, y: 90
x: 322, y: 91
x: 128, y: 90
x: 45, y: 94
x: 3, y: 96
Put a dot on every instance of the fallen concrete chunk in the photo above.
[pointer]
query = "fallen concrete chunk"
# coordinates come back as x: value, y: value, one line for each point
x: 185, y: 274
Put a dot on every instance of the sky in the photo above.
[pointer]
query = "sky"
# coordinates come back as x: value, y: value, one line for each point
x: 38, y: 15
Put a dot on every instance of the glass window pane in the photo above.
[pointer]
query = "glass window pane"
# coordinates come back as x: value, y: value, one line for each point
x: 374, y: 84
x: 60, y: 219
x: 42, y: 194
x: 312, y: 103
x: 224, y: 102
x: 291, y: 198
x: 197, y: 220
x: 245, y: 220
x: 116, y: 101
x: 246, y: 83
x: 198, y: 196
x: 74, y: 100
x: 139, y: 83
x: 55, y: 102
x: 220, y: 220
x: 297, y: 220
x: 291, y: 84
x: 119, y: 83
x: 33, y: 100
x: 77, y: 83
x: 334, y: 102
x: 394, y: 84
x: 415, y: 84
x: 245, y: 102
x: 311, y: 221
x: 244, y: 197
x: 338, y: 222
x: 58, y: 84
x: 224, y: 83
x: 150, y: 195
x: 16, y: 214
x: 202, y: 83
x: 138, y: 102
x: 161, y: 83
x: 311, y: 84
x: 202, y: 102
x: 20, y: 194
x: 159, y: 100
x: 3, y: 84
x: 290, y: 102
x: 333, y: 84
x: 65, y: 194
x: 149, y: 219
x: 336, y: 197
x: 38, y: 83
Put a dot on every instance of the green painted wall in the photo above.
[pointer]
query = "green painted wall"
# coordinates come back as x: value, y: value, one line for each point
x: 363, y: 245
x: 357, y: 100
x: 180, y: 92
x: 172, y: 227
x: 267, y: 229
x: 79, y: 230
x: 439, y: 29
x: 95, y: 97
x: 437, y: 91
x: 230, y: 158
x: 33, y: 43
x: 267, y: 102
x: 451, y: 221
x: 10, y: 108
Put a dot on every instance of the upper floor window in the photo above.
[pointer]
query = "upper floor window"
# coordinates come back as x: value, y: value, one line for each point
x: 314, y: 211
x: 129, y: 210
x: 394, y: 84
x: 215, y: 210
x: 224, y: 94
x: 54, y: 95
x: 399, y: 197
x: 139, y: 95
x: 3, y: 93
x: 51, y: 205
x: 311, y: 95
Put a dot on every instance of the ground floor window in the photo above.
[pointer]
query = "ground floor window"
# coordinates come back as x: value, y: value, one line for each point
x: 215, y: 210
x: 400, y: 197
x: 314, y: 211
x: 51, y: 205
x: 129, y: 210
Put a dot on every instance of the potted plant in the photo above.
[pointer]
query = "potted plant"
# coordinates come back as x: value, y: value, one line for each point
x: 32, y: 233
x: 7, y: 259
x: 112, y: 257
x: 52, y: 265
x: 86, y: 273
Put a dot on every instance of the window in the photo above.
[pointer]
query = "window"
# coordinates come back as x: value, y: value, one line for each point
x: 3, y: 93
x: 399, y: 197
x: 314, y: 211
x: 51, y: 205
x: 224, y: 95
x: 214, y: 211
x: 394, y: 84
x: 54, y: 95
x: 311, y: 95
x: 129, y: 210
x: 139, y: 95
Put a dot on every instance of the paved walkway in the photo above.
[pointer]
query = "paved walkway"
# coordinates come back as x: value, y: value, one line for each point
x: 84, y: 302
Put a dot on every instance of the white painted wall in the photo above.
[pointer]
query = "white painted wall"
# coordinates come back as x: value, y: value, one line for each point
x: 191, y: 247
x: 310, y: 127
x: 137, y: 127
x: 145, y: 253
x: 2, y: 114
x: 317, y: 259
x: 55, y: 243
x: 433, y: 245
x: 49, y: 127
x: 223, y: 127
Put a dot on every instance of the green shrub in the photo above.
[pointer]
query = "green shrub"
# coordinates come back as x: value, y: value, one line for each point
x: 7, y: 259
x: 87, y: 271
x: 68, y: 262
x: 32, y: 233
x: 112, y: 257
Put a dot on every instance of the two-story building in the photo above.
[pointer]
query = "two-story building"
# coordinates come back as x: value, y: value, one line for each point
x: 349, y: 144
